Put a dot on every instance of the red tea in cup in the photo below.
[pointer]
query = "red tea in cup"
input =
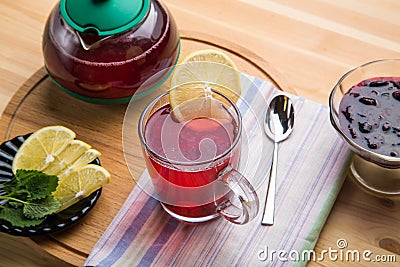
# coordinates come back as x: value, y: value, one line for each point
x: 192, y: 162
x: 201, y: 139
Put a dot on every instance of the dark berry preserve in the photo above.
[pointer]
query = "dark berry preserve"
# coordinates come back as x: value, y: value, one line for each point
x: 369, y: 114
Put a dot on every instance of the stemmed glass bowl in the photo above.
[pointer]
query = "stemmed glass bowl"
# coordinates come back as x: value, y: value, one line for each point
x: 374, y: 172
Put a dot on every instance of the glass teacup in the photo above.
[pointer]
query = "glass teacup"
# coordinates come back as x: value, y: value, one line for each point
x: 192, y: 163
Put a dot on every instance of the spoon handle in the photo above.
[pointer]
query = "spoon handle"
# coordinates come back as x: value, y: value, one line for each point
x: 269, y: 208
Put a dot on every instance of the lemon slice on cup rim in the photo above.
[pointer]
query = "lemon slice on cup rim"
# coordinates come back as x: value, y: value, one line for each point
x: 198, y: 99
x: 194, y: 78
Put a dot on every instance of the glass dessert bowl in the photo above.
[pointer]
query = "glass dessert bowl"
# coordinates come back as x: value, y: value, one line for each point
x: 104, y: 51
x: 365, y: 111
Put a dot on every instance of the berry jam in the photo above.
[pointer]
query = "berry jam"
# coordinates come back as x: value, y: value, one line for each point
x: 369, y: 114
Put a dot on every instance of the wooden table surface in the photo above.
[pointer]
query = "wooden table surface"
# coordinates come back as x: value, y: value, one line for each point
x: 305, y: 45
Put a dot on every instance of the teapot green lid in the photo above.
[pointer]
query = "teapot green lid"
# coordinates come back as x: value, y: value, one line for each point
x: 106, y: 17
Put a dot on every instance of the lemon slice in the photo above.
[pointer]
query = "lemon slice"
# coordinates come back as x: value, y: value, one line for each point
x: 80, y: 184
x: 74, y: 150
x: 42, y: 147
x: 54, y: 150
x: 203, y: 103
x: 198, y: 72
x: 209, y: 66
x: 85, y: 158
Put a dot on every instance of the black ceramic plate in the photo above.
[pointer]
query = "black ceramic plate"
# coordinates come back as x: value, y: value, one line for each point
x: 54, y: 222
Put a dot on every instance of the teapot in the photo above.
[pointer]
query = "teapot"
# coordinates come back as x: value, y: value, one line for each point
x: 108, y: 51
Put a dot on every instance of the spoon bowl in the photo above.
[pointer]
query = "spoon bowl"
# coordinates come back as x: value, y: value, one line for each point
x: 279, y: 118
x: 278, y: 125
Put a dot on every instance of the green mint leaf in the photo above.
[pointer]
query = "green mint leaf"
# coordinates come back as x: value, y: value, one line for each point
x: 23, y: 176
x: 14, y: 204
x: 30, y: 199
x: 38, y: 184
x: 41, y: 208
x: 17, y: 218
x: 11, y: 185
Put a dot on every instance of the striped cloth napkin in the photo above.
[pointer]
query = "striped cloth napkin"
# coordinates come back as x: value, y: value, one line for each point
x: 311, y: 169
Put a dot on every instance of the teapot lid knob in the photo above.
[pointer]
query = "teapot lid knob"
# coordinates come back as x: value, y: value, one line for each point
x: 106, y: 17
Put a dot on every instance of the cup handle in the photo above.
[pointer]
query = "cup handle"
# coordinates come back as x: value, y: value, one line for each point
x: 243, y: 205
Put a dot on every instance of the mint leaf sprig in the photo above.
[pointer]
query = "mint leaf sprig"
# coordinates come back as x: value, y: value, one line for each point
x: 29, y: 198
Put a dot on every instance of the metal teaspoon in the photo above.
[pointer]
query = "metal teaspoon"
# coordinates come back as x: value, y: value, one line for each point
x: 278, y: 125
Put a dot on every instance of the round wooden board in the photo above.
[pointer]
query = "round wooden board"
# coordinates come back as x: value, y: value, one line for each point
x: 39, y: 103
